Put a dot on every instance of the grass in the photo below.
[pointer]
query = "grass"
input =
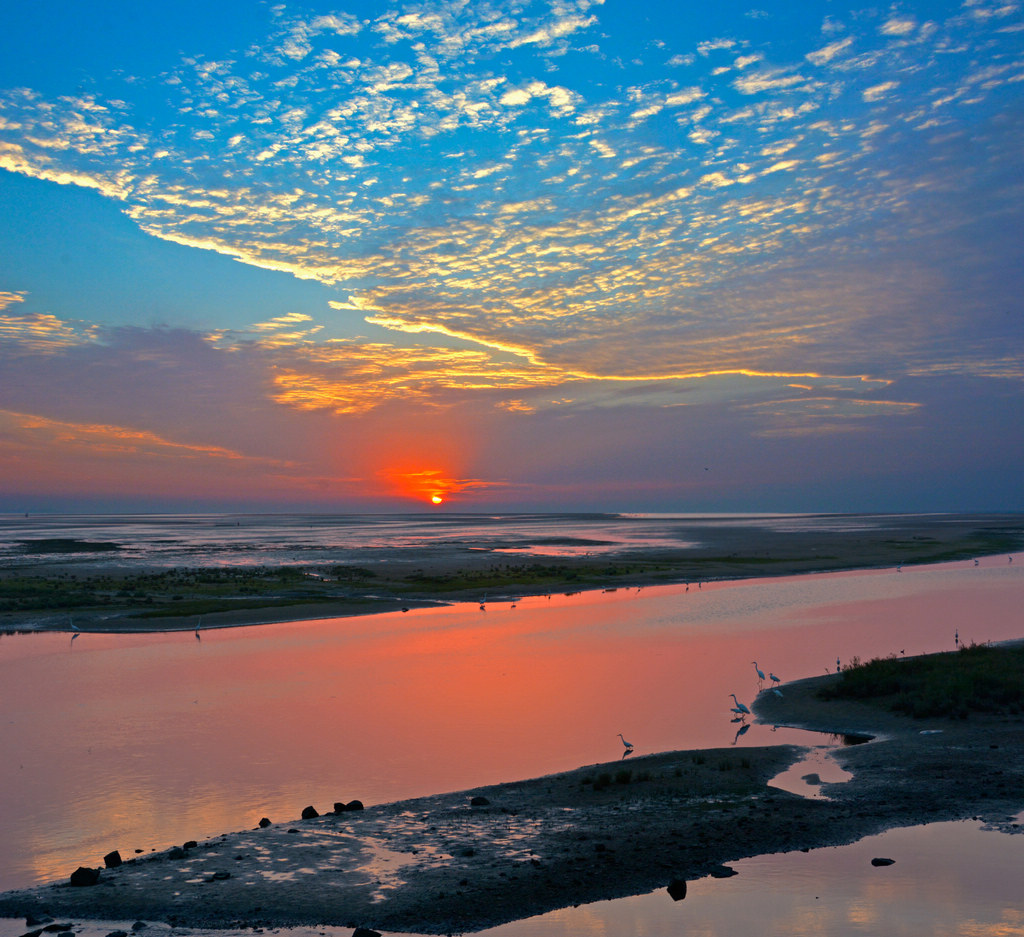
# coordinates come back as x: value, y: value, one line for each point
x: 978, y: 678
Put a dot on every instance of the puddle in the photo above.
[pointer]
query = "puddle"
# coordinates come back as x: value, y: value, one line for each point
x: 808, y: 776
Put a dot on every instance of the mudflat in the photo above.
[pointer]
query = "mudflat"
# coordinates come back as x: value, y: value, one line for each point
x: 62, y: 586
x: 463, y: 861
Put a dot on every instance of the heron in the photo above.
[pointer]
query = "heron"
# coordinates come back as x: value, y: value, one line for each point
x: 627, y: 745
x: 740, y: 707
x: 760, y: 674
x: 773, y: 678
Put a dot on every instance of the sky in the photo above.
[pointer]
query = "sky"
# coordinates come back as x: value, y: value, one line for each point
x: 511, y: 255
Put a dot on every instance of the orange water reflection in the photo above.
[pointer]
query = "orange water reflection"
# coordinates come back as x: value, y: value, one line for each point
x: 144, y: 741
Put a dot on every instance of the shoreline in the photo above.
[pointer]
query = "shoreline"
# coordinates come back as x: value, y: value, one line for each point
x: 447, y: 863
x: 141, y: 598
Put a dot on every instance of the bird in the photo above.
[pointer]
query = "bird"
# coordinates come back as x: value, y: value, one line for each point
x: 760, y: 674
x: 773, y: 678
x: 627, y: 745
x: 740, y: 707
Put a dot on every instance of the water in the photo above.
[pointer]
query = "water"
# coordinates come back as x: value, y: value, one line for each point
x: 144, y: 741
x: 164, y: 541
x: 138, y: 742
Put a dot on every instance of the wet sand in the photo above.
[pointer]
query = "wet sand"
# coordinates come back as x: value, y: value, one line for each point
x: 136, y: 599
x: 447, y: 863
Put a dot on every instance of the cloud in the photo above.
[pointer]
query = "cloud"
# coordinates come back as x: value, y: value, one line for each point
x: 827, y: 53
x: 38, y: 332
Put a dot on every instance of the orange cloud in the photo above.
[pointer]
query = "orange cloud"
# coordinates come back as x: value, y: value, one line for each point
x: 432, y: 485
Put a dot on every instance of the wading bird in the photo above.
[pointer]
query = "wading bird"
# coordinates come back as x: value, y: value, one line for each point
x: 773, y: 678
x: 628, y: 745
x: 760, y: 674
x: 739, y: 707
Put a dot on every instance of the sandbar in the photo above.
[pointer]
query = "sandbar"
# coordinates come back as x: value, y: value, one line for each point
x: 463, y: 861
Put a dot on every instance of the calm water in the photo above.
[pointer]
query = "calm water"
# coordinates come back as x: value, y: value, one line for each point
x: 141, y: 742
x: 164, y: 541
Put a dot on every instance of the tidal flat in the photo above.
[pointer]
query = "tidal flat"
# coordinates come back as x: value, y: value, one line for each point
x: 463, y: 861
x: 87, y: 583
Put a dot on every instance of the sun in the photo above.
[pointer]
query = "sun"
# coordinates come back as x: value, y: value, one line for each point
x: 437, y: 499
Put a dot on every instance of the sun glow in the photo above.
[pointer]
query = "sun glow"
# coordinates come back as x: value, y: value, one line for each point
x: 437, y: 499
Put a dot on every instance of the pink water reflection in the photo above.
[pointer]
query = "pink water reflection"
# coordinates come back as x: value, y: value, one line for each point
x: 144, y: 741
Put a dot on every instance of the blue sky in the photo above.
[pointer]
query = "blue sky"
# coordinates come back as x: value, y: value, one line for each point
x: 550, y: 254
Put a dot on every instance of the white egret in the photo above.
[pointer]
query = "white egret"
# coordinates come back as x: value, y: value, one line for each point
x: 628, y: 745
x: 740, y: 707
x: 773, y: 678
x: 759, y: 672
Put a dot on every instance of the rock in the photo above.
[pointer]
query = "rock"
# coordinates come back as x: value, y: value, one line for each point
x: 221, y: 876
x: 118, y: 933
x: 176, y: 852
x: 811, y: 778
x: 264, y: 823
x: 677, y: 889
x: 32, y: 921
x: 365, y: 932
x: 191, y: 844
x: 112, y: 859
x: 479, y: 802
x: 354, y: 805
x: 83, y: 876
x: 883, y: 861
x: 309, y: 813
x: 722, y: 871
x: 139, y: 925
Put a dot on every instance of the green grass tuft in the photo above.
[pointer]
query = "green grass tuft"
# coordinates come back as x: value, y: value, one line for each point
x: 978, y: 678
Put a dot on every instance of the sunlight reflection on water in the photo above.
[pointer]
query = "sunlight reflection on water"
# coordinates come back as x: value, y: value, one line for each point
x: 141, y: 742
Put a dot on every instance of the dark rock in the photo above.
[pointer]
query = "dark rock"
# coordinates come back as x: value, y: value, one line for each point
x: 883, y: 861
x: 354, y: 805
x: 677, y: 889
x: 176, y: 852
x: 811, y: 778
x: 191, y: 844
x: 221, y: 876
x: 32, y: 921
x: 264, y: 823
x: 56, y: 928
x: 365, y: 932
x: 308, y: 813
x: 118, y: 933
x: 479, y: 802
x: 339, y: 807
x: 139, y: 925
x: 112, y: 859
x: 722, y: 871
x: 83, y: 876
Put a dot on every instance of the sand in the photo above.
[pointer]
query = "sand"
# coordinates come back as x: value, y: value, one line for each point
x: 445, y: 864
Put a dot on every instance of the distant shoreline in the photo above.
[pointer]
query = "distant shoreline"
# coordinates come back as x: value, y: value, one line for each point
x: 137, y: 598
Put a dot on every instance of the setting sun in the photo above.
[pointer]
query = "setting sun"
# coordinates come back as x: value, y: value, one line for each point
x: 437, y: 499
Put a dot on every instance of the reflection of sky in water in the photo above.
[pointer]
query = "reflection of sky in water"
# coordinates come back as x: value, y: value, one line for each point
x: 182, y: 738
x: 948, y: 880
x: 249, y: 540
